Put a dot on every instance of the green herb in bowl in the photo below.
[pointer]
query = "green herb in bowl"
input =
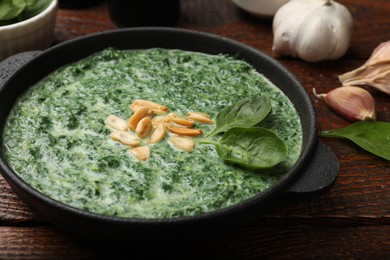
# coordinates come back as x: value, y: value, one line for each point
x: 13, y: 11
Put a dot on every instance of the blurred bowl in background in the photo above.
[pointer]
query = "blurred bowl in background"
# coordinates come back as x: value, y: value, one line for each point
x: 35, y: 33
x: 78, y: 4
x: 140, y: 13
x: 260, y: 8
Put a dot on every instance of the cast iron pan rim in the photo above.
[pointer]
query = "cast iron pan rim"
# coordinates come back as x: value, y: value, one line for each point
x: 279, y: 187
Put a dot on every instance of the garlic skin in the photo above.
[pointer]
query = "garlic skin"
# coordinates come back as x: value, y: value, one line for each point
x: 312, y: 30
x: 375, y: 72
x: 354, y: 103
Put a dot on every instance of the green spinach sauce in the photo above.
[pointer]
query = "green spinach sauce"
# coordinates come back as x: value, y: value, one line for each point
x: 57, y: 141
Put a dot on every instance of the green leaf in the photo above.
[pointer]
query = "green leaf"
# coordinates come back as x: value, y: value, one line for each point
x: 35, y: 7
x: 253, y: 148
x: 11, y: 9
x: 374, y: 137
x: 245, y: 113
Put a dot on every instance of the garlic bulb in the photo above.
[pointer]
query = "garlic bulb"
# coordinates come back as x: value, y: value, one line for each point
x: 312, y: 30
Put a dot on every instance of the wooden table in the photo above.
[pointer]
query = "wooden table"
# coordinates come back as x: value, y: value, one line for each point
x: 351, y: 221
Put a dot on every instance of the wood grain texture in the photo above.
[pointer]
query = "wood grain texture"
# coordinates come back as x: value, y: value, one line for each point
x: 351, y: 221
x: 264, y: 241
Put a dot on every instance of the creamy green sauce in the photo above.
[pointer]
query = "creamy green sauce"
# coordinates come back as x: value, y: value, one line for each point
x: 57, y: 141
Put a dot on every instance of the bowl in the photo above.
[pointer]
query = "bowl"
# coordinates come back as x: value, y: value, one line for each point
x: 144, y: 13
x: 314, y: 172
x: 260, y: 8
x: 35, y: 33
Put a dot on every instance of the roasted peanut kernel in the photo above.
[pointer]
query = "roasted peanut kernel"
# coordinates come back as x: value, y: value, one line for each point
x: 184, y: 131
x: 142, y: 153
x: 160, y: 120
x: 144, y: 127
x: 125, y: 138
x: 201, y: 117
x: 140, y: 113
x: 158, y: 134
x: 182, y: 142
x: 158, y: 111
x: 116, y: 122
x: 157, y: 108
x: 181, y: 120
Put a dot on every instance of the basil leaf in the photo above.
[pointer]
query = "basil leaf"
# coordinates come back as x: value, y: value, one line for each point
x: 11, y: 9
x: 374, y: 137
x: 253, y: 148
x: 35, y: 7
x: 245, y: 113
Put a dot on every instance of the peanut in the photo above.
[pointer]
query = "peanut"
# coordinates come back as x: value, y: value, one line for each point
x: 116, y: 122
x: 201, y: 117
x: 181, y: 120
x: 157, y: 108
x: 184, y: 131
x: 125, y: 138
x: 140, y: 113
x: 158, y: 134
x: 144, y: 127
x: 182, y: 142
x: 142, y: 153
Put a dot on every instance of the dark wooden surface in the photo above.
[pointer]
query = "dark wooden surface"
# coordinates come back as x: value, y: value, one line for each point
x: 351, y: 221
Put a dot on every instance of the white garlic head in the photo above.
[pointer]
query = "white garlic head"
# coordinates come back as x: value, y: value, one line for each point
x: 312, y: 30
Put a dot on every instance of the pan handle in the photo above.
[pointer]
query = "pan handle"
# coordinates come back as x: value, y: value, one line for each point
x: 13, y: 63
x: 319, y: 175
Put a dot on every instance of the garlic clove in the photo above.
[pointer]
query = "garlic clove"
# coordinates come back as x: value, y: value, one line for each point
x: 354, y: 103
x: 379, y: 80
x: 367, y: 72
x: 375, y: 72
x: 380, y: 54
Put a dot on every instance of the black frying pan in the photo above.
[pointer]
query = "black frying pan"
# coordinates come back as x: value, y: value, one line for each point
x: 314, y: 172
